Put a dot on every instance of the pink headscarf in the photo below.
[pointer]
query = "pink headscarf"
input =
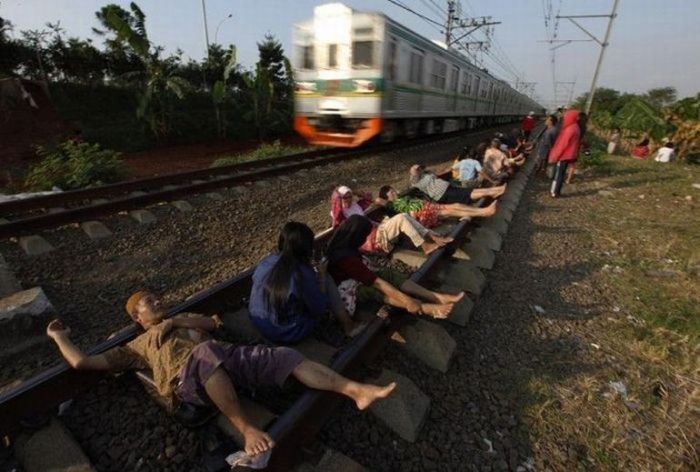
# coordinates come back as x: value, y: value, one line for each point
x: 340, y: 213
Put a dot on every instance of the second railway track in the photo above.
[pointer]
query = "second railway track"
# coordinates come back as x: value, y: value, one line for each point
x: 26, y: 216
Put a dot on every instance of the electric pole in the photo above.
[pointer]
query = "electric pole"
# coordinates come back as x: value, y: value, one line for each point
x: 206, y: 29
x: 450, y: 19
x: 603, y: 46
x: 470, y: 24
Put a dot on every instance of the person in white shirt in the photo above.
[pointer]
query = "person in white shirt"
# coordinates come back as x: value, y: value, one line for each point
x: 666, y: 153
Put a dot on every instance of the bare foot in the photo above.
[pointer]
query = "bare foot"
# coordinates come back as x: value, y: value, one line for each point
x: 441, y: 240
x: 437, y: 310
x: 368, y: 394
x: 500, y: 190
x: 429, y: 247
x: 449, y: 298
x: 256, y: 441
x: 489, y: 210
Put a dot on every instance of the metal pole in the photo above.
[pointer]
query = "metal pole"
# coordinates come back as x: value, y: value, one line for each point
x: 448, y: 27
x: 206, y: 29
x: 603, y: 46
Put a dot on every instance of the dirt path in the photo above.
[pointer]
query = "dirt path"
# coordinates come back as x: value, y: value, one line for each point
x: 560, y: 328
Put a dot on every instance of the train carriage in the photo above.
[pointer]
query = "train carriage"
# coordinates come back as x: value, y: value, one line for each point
x: 360, y: 75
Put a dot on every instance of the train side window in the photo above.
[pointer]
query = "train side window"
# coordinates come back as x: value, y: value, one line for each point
x: 363, y: 54
x: 307, y: 57
x: 332, y: 56
x: 477, y: 83
x: 416, y: 71
x: 393, y: 51
x: 454, y: 79
x: 438, y: 74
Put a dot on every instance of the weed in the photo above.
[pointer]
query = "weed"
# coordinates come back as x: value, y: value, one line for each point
x: 73, y: 165
x: 265, y: 151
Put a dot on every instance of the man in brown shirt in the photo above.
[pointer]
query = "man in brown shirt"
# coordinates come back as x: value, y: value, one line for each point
x: 188, y: 366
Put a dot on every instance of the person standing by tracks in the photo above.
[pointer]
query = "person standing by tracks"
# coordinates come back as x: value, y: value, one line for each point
x: 548, y: 139
x: 188, y: 366
x: 565, y: 150
x: 528, y: 124
x: 288, y: 297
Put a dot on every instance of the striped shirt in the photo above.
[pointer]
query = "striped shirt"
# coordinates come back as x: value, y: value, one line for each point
x: 430, y: 184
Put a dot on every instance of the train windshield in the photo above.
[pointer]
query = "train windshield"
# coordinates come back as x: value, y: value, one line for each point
x: 363, y: 54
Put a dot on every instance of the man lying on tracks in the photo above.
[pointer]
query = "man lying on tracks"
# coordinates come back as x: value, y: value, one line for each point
x: 441, y: 191
x: 189, y: 367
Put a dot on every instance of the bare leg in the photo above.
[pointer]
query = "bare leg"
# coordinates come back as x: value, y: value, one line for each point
x: 419, y: 291
x: 220, y: 390
x: 493, y: 192
x: 458, y: 210
x: 318, y: 376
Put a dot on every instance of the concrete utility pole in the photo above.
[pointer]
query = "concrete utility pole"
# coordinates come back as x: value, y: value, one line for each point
x: 450, y: 19
x: 603, y: 45
x: 206, y: 29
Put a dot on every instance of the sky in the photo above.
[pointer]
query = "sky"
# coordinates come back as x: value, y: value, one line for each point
x: 654, y: 43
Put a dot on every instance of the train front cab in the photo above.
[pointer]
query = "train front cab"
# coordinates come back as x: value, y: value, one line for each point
x: 338, y: 90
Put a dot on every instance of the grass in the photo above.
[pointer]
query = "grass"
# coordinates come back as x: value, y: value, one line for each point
x: 265, y: 151
x: 641, y: 225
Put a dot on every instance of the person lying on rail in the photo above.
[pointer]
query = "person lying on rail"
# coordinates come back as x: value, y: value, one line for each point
x: 467, y: 167
x: 426, y: 212
x: 379, y: 240
x: 189, y: 367
x: 349, y: 269
x: 441, y: 191
x: 288, y: 297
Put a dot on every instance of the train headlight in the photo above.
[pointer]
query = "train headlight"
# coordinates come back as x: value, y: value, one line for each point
x: 364, y: 86
x: 305, y: 87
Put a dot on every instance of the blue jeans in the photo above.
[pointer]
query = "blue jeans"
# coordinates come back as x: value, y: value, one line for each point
x: 559, y: 176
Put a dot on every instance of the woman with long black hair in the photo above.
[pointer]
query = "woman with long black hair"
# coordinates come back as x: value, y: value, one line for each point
x: 349, y: 270
x: 288, y: 297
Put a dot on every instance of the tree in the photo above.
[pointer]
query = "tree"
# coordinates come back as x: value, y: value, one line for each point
x: 220, y: 90
x: 12, y: 53
x: 156, y: 76
x: 277, y: 68
x: 661, y: 97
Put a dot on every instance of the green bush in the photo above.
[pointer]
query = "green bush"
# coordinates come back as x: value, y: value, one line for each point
x: 265, y: 151
x: 72, y: 165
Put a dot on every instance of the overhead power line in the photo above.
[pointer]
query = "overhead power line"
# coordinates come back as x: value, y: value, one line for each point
x: 420, y: 15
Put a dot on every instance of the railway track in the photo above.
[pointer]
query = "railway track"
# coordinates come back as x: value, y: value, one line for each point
x: 294, y: 428
x: 26, y: 216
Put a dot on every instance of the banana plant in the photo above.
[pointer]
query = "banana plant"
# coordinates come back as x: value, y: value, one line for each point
x: 157, y: 77
x: 220, y: 91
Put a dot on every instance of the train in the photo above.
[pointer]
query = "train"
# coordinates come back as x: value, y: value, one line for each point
x: 361, y: 76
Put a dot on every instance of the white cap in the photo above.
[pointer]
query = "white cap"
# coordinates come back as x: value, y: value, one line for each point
x: 504, y: 147
x: 343, y: 190
x: 532, y: 113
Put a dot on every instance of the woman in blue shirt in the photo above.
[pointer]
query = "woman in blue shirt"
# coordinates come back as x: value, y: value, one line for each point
x: 467, y: 167
x: 288, y: 297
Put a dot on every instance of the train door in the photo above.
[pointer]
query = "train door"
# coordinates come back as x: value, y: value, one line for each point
x: 454, y: 82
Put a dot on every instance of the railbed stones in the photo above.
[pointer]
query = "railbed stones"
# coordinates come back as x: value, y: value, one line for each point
x: 52, y: 448
x: 34, y: 245
x: 405, y: 410
x: 428, y: 342
x: 8, y: 282
x: 95, y: 229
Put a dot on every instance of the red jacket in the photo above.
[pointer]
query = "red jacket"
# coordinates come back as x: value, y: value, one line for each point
x: 566, y: 146
x: 528, y: 123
